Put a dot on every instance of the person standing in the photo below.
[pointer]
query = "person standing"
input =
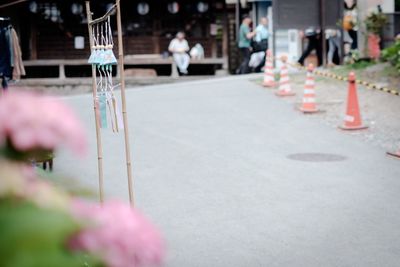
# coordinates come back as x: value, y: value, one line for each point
x: 245, y: 36
x: 335, y: 44
x: 260, y: 44
x: 350, y: 23
x: 262, y: 34
x: 314, y: 43
x: 179, y: 48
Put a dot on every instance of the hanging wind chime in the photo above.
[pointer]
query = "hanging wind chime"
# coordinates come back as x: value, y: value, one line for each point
x: 103, y: 58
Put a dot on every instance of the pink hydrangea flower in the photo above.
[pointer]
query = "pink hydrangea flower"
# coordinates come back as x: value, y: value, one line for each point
x: 33, y: 122
x: 21, y: 181
x: 120, y: 236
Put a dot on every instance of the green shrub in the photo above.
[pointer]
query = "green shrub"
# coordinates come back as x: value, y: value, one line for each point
x: 375, y: 22
x: 392, y: 55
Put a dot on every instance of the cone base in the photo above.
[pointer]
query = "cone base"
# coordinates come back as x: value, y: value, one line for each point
x: 270, y: 84
x: 392, y: 154
x: 280, y: 93
x: 353, y: 128
x: 309, y: 110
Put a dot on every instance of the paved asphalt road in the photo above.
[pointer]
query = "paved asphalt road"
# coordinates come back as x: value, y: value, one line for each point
x: 213, y: 170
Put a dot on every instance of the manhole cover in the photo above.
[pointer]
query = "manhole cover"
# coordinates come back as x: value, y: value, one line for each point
x: 316, y: 157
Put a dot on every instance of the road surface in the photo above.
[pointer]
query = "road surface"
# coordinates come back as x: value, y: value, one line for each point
x: 228, y: 172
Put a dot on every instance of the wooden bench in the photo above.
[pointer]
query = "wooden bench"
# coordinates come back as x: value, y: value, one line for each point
x: 159, y: 60
x: 137, y: 60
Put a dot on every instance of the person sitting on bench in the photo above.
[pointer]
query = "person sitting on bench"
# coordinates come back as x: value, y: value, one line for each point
x: 179, y: 48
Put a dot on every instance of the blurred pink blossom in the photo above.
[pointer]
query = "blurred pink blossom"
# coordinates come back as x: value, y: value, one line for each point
x: 21, y: 181
x: 33, y: 122
x: 120, y: 236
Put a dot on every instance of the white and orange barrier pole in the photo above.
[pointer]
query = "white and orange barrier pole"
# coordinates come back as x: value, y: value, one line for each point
x: 284, y: 81
x: 269, y: 79
x: 309, y: 104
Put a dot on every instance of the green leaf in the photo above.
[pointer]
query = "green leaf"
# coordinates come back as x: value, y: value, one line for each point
x: 34, y: 237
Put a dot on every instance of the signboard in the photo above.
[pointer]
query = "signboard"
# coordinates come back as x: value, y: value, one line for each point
x: 79, y: 42
x: 301, y: 14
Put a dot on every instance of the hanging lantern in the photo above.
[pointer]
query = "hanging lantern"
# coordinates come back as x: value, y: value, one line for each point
x: 173, y: 8
x: 33, y: 7
x: 47, y: 11
x: 202, y: 7
x: 143, y: 8
x: 76, y: 9
x: 54, y: 13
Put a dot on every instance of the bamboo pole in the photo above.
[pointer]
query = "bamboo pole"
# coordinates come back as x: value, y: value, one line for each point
x: 123, y: 99
x: 105, y: 17
x: 13, y: 3
x: 96, y: 114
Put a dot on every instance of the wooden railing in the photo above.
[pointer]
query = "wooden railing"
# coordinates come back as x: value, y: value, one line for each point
x: 135, y: 60
x: 61, y: 47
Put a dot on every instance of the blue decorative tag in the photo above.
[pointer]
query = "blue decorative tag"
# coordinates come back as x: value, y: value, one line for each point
x: 103, y: 110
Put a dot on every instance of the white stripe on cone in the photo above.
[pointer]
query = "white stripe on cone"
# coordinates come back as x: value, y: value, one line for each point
x: 310, y: 82
x: 308, y: 100
x: 349, y: 118
x: 284, y: 79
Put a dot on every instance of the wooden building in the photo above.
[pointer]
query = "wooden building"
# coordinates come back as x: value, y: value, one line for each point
x: 53, y: 30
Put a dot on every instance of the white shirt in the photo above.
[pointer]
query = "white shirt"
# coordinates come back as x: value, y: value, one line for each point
x: 262, y: 33
x: 177, y: 46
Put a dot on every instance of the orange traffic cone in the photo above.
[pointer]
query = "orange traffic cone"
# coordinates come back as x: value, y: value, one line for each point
x: 352, y: 120
x: 269, y: 80
x: 309, y: 105
x: 284, y: 81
